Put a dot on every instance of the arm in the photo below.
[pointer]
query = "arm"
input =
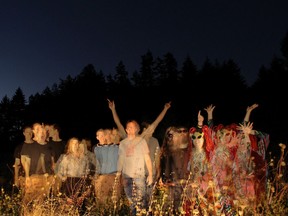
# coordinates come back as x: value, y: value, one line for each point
x: 162, y: 114
x: 17, y: 165
x: 119, y: 164
x: 157, y: 164
x: 150, y: 130
x: 116, y: 119
x: 200, y: 120
x: 209, y: 111
x: 149, y: 168
x: 25, y: 160
x: 248, y: 112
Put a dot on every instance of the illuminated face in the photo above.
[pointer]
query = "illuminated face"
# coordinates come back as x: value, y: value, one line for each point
x: 132, y: 128
x: 100, y: 136
x: 39, y: 132
x: 74, y: 143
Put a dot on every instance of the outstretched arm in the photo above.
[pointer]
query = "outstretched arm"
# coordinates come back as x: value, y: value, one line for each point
x: 116, y: 119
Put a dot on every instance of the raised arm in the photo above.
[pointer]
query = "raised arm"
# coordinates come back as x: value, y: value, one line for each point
x: 162, y: 114
x: 116, y: 119
x: 200, y: 120
x: 147, y: 133
x: 209, y: 111
x: 248, y: 112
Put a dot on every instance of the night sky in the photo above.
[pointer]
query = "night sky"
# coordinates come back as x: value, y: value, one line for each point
x: 42, y: 42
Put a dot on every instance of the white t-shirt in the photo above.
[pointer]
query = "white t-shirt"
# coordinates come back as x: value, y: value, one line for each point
x: 132, y: 157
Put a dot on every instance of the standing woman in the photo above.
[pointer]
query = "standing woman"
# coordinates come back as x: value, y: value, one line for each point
x: 73, y: 170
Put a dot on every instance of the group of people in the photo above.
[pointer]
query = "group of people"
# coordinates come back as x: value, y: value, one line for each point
x: 228, y: 160
x: 214, y: 163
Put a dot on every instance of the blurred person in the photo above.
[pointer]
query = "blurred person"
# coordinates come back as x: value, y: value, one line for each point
x: 18, y: 169
x: 133, y: 157
x: 73, y: 169
x: 56, y: 144
x: 107, y: 186
x: 36, y: 159
x: 93, y: 162
x: 174, y: 167
x: 147, y: 133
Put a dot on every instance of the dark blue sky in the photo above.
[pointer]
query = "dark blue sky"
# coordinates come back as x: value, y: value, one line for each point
x: 44, y: 41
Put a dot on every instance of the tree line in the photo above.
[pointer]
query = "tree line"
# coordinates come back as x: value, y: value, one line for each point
x: 79, y: 104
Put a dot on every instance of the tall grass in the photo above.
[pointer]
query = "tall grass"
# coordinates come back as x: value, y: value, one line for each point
x: 274, y: 201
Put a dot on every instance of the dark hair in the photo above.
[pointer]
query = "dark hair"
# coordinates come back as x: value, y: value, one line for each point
x: 56, y: 127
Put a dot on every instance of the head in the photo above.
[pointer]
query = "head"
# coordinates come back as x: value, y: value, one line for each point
x: 82, y: 149
x: 108, y: 136
x: 184, y: 136
x: 72, y: 146
x: 201, y: 139
x: 132, y: 128
x: 227, y: 135
x: 54, y: 130
x: 100, y: 136
x: 28, y: 134
x: 115, y: 136
x: 197, y: 138
x: 172, y: 139
x: 88, y: 143
x: 39, y: 132
x: 48, y: 128
x: 144, y: 125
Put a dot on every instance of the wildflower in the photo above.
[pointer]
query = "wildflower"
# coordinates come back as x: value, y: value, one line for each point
x: 196, y: 212
x: 181, y: 210
x: 194, y: 185
x: 211, y: 183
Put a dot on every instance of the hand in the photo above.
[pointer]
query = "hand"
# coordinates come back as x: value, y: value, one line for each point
x: 200, y: 118
x: 28, y: 182
x: 149, y: 180
x: 111, y: 104
x: 167, y: 105
x: 246, y: 128
x: 250, y: 108
x: 209, y: 109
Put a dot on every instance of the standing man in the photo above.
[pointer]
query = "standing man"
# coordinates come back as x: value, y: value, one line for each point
x: 36, y: 159
x: 106, y: 188
x: 18, y: 169
x: 133, y: 157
